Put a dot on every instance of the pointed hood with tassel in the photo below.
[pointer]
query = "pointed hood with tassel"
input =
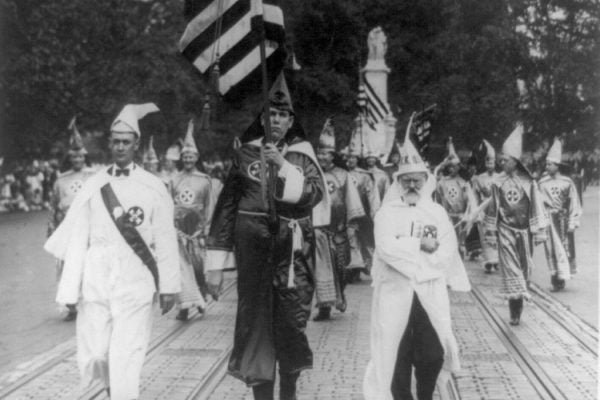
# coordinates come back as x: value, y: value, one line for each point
x: 189, y: 144
x: 555, y: 152
x: 75, y: 141
x: 128, y: 119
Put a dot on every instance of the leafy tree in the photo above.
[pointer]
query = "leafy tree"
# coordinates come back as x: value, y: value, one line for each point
x: 62, y: 58
x: 88, y: 58
x: 561, y: 75
x: 462, y: 55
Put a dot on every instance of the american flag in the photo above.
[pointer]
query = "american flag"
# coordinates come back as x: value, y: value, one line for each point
x: 422, y: 127
x: 371, y: 106
x: 227, y: 34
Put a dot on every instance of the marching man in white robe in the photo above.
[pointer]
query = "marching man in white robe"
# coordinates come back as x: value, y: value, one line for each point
x: 416, y: 258
x: 119, y: 246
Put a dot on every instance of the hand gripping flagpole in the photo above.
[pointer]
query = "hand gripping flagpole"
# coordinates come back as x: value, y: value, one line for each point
x: 271, y: 175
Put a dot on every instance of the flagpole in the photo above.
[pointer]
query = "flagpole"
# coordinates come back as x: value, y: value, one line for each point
x: 267, y: 125
x: 362, y: 113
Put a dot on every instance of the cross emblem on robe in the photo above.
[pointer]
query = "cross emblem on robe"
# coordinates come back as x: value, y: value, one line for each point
x: 452, y: 193
x: 186, y: 196
x: 135, y: 215
x: 330, y: 187
x: 75, y: 186
x: 512, y: 196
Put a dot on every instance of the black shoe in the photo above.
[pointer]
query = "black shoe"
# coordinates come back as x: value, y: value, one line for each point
x: 323, y: 315
x: 287, y: 386
x: 200, y: 310
x: 264, y: 391
x: 342, y: 306
x: 71, y: 316
x: 516, y: 308
x: 182, y: 315
x: 488, y: 268
x: 557, y: 283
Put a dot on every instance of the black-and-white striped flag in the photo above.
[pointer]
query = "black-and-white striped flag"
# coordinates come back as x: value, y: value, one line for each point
x: 372, y: 107
x: 229, y: 32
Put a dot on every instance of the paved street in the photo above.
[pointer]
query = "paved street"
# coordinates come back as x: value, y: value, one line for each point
x: 581, y: 293
x: 184, y: 357
x: 30, y: 322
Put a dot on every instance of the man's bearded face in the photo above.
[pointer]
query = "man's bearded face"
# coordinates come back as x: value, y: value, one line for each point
x: 411, y: 185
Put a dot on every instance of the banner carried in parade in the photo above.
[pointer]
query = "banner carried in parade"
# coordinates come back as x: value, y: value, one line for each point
x: 422, y: 127
x: 371, y: 106
x: 227, y: 34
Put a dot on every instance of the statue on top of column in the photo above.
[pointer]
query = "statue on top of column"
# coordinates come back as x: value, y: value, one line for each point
x: 377, y: 42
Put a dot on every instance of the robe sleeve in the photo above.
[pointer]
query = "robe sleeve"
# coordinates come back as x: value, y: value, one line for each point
x: 373, y: 196
x: 438, y: 193
x: 165, y: 244
x: 219, y: 243
x: 69, y: 286
x: 538, y: 219
x: 399, y: 251
x: 490, y: 215
x: 575, y: 210
x: 354, y: 207
x: 299, y: 181
x: 208, y: 207
x: 54, y: 209
x: 445, y: 253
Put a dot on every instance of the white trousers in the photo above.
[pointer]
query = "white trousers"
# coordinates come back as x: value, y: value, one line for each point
x: 112, y: 339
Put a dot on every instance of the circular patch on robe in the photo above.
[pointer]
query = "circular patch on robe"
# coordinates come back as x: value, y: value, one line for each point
x: 554, y: 192
x: 453, y: 193
x: 75, y: 186
x: 354, y: 180
x: 186, y: 196
x: 330, y: 187
x: 254, y: 171
x: 512, y: 196
x: 135, y: 215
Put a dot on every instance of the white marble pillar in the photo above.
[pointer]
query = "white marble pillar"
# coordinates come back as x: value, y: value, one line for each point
x: 377, y: 141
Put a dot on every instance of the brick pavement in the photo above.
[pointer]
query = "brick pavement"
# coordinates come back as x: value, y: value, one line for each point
x: 569, y: 365
x: 341, y: 350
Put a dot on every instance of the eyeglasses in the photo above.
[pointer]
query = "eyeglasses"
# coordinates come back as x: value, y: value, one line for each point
x: 407, y: 181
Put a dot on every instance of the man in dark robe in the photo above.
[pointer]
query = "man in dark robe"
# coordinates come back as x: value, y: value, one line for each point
x: 274, y: 260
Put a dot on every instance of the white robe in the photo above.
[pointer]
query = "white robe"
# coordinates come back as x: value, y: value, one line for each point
x: 113, y: 288
x: 401, y: 269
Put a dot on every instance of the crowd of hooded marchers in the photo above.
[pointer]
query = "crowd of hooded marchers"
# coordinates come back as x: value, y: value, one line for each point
x: 298, y: 224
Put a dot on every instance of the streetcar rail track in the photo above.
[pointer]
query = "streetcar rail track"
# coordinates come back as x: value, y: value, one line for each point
x: 537, y: 376
x: 160, y: 342
x: 95, y: 392
x: 213, y: 378
x: 583, y: 332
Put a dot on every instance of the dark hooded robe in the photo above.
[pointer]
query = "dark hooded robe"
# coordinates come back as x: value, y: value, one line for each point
x: 271, y: 317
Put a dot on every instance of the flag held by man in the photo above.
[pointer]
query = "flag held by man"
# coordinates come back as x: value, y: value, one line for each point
x: 228, y: 33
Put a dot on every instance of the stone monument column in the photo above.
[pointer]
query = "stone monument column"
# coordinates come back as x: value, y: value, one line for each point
x: 379, y: 141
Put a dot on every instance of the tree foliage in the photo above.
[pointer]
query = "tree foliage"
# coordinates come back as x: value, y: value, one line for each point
x: 87, y: 58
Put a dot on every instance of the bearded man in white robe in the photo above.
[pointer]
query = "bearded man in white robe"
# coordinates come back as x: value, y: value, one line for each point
x: 416, y: 258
